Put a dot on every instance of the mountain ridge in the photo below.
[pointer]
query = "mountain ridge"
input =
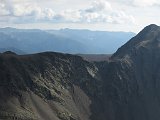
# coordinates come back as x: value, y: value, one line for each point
x: 141, y: 39
x: 65, y: 41
x: 58, y: 86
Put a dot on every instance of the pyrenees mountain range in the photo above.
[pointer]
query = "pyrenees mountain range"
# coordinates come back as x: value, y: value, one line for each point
x: 58, y: 86
x: 27, y: 41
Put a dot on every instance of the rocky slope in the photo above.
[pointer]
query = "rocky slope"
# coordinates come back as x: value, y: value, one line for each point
x: 132, y: 84
x: 47, y: 86
x: 54, y: 86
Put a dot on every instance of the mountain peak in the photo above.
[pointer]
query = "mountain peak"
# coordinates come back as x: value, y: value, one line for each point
x: 148, y: 38
x: 150, y: 28
x: 9, y: 53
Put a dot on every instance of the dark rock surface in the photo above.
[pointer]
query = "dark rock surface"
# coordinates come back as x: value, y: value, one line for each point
x: 132, y: 84
x: 55, y: 86
x: 46, y: 86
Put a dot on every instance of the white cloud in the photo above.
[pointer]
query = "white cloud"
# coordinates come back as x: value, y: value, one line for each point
x: 144, y: 3
x: 138, y: 3
x: 69, y: 15
x: 18, y: 11
x: 3, y: 11
x: 25, y: 10
x: 121, y: 18
x: 4, y: 8
x: 100, y: 11
x: 100, y: 5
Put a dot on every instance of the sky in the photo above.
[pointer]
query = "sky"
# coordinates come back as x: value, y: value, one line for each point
x: 103, y: 15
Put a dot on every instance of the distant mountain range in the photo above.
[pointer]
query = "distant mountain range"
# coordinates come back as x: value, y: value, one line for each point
x: 64, y: 40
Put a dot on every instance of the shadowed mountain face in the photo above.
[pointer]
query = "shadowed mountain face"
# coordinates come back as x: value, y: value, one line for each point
x: 95, y: 57
x: 54, y: 86
x: 47, y: 86
x: 134, y: 77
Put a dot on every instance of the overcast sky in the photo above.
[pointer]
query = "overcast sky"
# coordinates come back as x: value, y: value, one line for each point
x: 110, y: 15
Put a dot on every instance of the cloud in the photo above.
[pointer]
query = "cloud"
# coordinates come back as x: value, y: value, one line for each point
x: 4, y: 9
x: 29, y: 12
x: 138, y: 3
x: 100, y: 11
x: 33, y: 11
x: 143, y: 3
x: 100, y: 5
x: 69, y: 16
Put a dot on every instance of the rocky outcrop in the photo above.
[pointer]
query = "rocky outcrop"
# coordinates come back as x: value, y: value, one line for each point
x: 47, y: 86
x: 132, y: 82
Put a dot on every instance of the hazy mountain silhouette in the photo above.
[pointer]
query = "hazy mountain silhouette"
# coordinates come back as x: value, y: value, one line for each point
x: 100, y: 42
x: 33, y: 41
x: 65, y: 41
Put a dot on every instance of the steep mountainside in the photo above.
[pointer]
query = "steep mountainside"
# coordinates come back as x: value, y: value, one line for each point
x: 132, y: 82
x: 47, y: 86
x: 54, y: 86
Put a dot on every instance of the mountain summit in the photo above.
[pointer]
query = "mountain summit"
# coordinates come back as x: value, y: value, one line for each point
x: 55, y: 86
x: 134, y: 76
x: 148, y: 38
